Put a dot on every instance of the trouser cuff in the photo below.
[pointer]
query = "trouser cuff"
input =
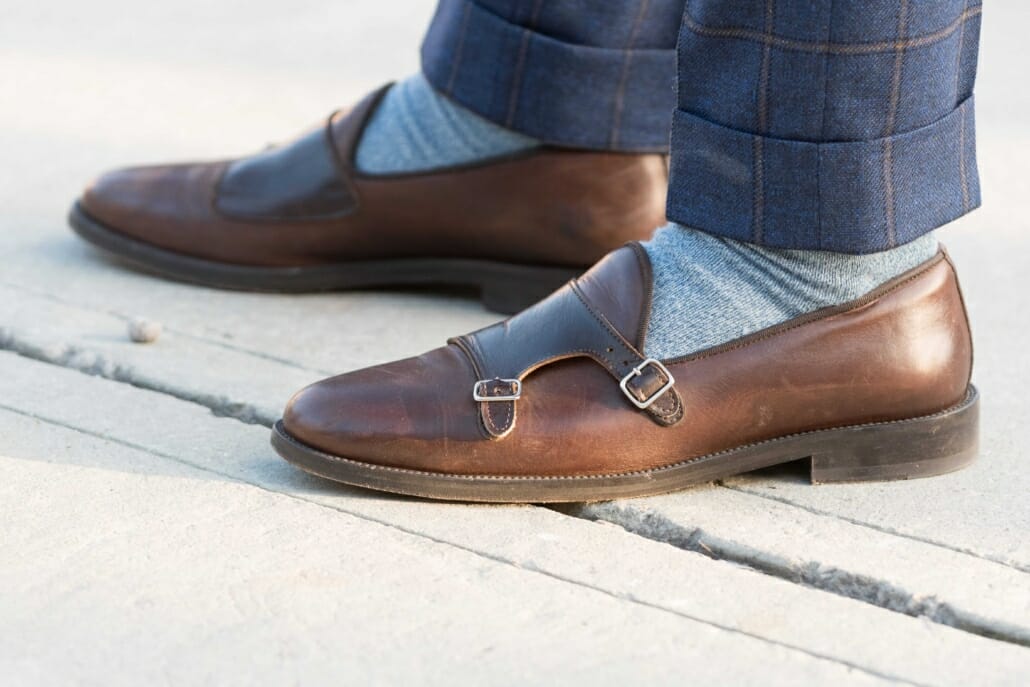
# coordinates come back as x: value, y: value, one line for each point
x: 846, y: 197
x: 560, y: 93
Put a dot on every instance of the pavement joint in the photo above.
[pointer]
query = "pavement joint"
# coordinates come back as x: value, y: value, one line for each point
x: 96, y: 365
x: 864, y: 588
x: 138, y: 552
x: 476, y: 552
x: 876, y: 592
x: 884, y: 530
x: 212, y: 341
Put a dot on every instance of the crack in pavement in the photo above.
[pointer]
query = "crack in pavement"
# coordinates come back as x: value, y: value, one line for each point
x: 870, y: 590
x: 94, y: 364
x: 216, y: 341
x: 534, y: 570
x: 220, y: 343
x: 879, y: 528
x: 842, y: 583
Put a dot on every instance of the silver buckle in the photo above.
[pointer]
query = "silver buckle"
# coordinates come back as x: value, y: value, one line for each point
x: 636, y: 372
x: 477, y: 396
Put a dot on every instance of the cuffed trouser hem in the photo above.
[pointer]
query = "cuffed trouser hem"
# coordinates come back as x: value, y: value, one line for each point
x: 560, y: 93
x: 846, y: 197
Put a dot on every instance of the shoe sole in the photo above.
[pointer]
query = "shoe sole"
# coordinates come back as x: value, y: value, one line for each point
x: 903, y: 449
x: 504, y: 287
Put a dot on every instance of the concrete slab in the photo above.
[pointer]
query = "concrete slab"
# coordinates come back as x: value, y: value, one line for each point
x: 177, y: 436
x: 828, y: 552
x: 183, y: 367
x: 254, y: 388
x: 114, y: 83
x: 160, y: 574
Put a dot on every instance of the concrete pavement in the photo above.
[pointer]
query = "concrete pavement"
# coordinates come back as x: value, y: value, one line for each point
x: 149, y: 533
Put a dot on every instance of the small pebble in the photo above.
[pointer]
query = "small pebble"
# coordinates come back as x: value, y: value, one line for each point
x: 144, y: 331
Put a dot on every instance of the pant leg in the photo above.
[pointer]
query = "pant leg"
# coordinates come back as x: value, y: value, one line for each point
x: 825, y: 125
x: 596, y: 74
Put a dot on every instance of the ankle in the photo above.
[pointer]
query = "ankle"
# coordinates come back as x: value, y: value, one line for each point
x: 710, y: 290
x: 416, y: 129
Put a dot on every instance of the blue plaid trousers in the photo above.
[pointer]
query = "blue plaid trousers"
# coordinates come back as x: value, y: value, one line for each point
x: 841, y: 125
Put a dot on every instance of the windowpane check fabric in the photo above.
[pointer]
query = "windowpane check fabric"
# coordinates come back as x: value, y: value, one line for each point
x: 825, y: 125
x: 837, y: 125
x: 596, y: 74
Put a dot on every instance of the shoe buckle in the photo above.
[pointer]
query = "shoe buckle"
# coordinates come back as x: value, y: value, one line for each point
x: 480, y: 386
x: 636, y: 372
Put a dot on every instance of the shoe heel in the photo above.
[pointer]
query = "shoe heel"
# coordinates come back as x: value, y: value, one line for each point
x: 907, y: 449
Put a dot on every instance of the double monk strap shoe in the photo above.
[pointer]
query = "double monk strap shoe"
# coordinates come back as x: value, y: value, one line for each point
x: 560, y: 403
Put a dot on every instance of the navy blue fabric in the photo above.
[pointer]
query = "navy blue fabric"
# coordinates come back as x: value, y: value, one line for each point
x: 596, y: 74
x: 841, y: 125
x: 821, y: 125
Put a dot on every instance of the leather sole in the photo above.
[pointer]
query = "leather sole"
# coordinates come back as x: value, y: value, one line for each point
x: 504, y: 287
x: 903, y: 449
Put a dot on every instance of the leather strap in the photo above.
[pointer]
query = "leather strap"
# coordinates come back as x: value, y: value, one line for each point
x: 565, y: 325
x: 347, y: 126
x: 308, y: 179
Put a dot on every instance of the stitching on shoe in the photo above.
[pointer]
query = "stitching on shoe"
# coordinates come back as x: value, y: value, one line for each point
x: 709, y: 456
x: 500, y: 428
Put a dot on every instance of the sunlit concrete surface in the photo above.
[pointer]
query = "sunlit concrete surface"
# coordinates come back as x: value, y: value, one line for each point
x: 149, y: 535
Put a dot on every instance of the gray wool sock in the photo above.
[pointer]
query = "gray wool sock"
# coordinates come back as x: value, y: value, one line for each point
x: 709, y: 290
x: 416, y: 129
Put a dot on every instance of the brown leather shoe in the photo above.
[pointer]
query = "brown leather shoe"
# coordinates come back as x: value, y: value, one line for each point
x: 300, y: 217
x: 559, y: 403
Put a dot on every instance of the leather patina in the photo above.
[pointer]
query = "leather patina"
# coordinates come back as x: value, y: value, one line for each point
x: 304, y: 204
x: 566, y: 325
x: 903, y: 351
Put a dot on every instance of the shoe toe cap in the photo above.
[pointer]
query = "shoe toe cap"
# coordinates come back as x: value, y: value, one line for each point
x: 145, y: 202
x: 402, y: 414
